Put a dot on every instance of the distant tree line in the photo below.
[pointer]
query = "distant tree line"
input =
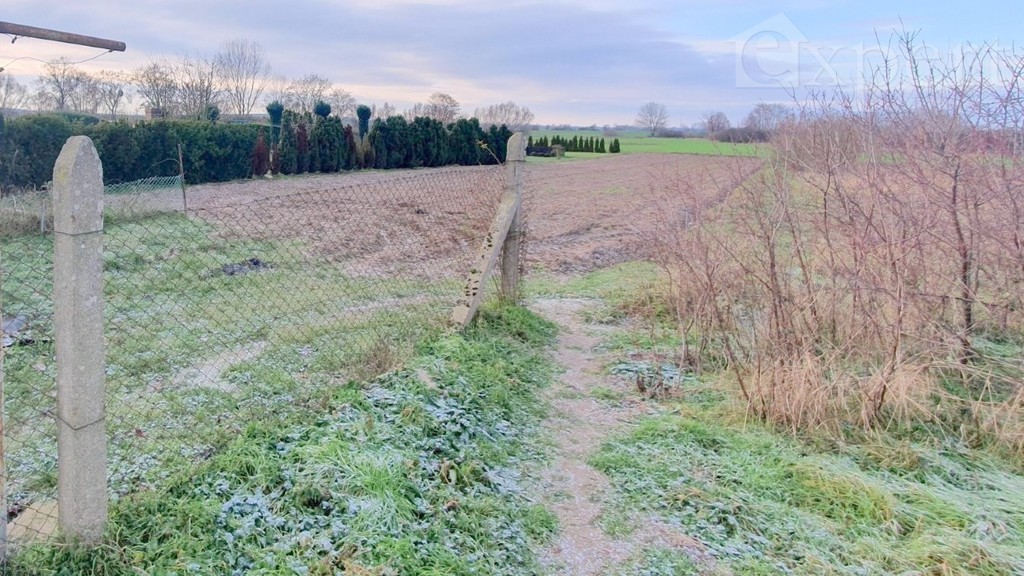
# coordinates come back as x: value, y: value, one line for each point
x: 574, y: 144
x: 759, y: 125
x: 741, y: 135
x: 763, y: 120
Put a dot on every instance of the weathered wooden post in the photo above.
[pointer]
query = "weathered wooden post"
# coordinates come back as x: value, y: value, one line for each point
x: 78, y: 338
x: 487, y: 256
x: 516, y: 160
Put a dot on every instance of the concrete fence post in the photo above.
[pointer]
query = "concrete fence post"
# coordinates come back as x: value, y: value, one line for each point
x: 3, y: 461
x: 516, y: 160
x: 78, y: 339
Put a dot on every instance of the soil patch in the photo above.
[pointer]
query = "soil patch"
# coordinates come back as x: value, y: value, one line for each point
x: 582, y: 215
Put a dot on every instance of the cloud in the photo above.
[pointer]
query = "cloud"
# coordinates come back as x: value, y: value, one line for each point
x: 570, y: 61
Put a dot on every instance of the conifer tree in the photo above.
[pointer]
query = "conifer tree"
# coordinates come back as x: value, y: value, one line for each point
x: 363, y: 112
x: 301, y: 147
x: 275, y: 110
x: 378, y: 143
x: 288, y: 145
x: 260, y: 156
x: 350, y: 150
x: 322, y: 109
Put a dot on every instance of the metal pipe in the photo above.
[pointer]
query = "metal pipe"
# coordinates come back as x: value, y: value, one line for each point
x: 57, y: 36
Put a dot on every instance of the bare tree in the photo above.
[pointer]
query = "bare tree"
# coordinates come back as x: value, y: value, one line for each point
x: 157, y: 85
x: 768, y: 117
x: 13, y: 95
x: 715, y: 122
x: 277, y: 89
x: 652, y: 117
x: 110, y: 92
x: 198, y: 89
x: 343, y: 104
x: 60, y: 84
x: 443, y: 107
x: 384, y: 111
x: 302, y: 94
x: 86, y: 98
x: 517, y: 118
x: 244, y: 73
x: 419, y: 109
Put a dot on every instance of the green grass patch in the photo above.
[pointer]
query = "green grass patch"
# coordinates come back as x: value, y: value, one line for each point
x: 699, y: 146
x: 660, y: 562
x: 617, y: 284
x: 191, y: 350
x: 248, y: 429
x: 414, y: 472
x: 607, y: 394
x: 636, y: 143
x: 768, y: 503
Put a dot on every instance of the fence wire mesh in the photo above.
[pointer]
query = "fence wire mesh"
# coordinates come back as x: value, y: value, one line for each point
x: 229, y: 305
x: 28, y: 373
x: 145, y: 197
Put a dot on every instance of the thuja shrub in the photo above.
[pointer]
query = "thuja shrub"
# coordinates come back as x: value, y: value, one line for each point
x: 216, y: 152
x: 30, y: 147
x: 260, y: 156
x: 211, y: 152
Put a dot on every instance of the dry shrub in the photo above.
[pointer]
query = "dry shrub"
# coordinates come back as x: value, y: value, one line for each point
x: 27, y: 212
x: 856, y: 277
x: 798, y: 393
x: 379, y: 357
x: 1003, y: 421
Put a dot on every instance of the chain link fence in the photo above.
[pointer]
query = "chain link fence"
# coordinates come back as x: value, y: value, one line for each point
x: 146, y: 197
x: 227, y: 305
x: 28, y: 371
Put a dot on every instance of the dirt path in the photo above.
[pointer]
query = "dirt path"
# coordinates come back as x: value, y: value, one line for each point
x: 580, y: 423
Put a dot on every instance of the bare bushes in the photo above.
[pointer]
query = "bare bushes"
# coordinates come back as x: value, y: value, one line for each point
x: 25, y: 212
x: 871, y: 272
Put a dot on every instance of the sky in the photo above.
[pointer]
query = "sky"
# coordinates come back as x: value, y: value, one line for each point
x: 578, y: 62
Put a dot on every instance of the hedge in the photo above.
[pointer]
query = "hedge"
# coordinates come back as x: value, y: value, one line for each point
x: 216, y: 152
x: 212, y: 152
